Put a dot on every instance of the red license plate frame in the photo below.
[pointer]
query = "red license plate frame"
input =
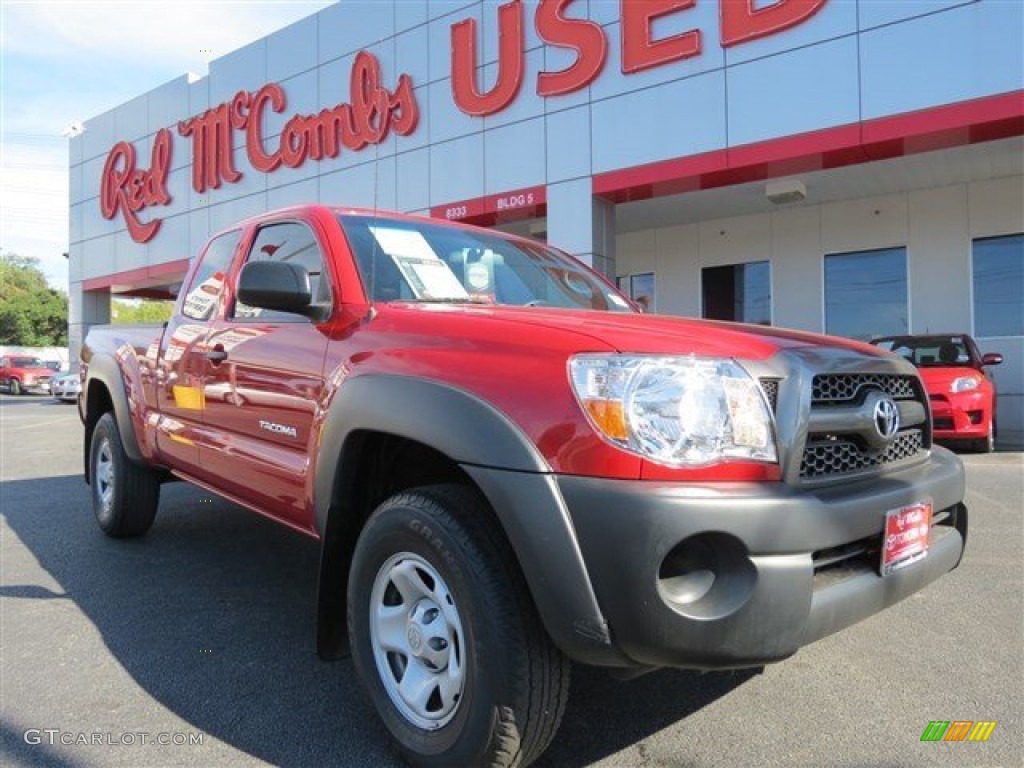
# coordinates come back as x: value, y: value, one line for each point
x: 906, y: 536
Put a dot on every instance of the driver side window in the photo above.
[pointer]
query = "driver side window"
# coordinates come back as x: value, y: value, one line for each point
x: 294, y: 243
x: 201, y: 299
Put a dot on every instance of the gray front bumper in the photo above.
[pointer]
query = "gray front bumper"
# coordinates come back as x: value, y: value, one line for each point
x: 763, y: 543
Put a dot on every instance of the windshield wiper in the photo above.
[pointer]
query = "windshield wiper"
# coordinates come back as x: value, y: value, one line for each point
x: 443, y: 300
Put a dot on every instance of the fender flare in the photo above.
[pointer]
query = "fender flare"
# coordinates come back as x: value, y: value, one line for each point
x: 105, y: 370
x: 507, y: 468
x: 457, y: 424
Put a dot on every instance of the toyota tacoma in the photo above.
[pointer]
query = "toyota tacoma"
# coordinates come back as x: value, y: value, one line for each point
x: 509, y: 466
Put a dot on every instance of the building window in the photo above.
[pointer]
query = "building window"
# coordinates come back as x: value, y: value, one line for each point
x: 738, y: 292
x: 640, y: 288
x: 999, y: 286
x: 866, y: 293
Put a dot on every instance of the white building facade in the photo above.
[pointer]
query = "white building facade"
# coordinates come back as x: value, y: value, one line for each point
x: 853, y: 167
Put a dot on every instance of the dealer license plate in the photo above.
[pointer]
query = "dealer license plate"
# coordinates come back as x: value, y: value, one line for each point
x: 907, y: 532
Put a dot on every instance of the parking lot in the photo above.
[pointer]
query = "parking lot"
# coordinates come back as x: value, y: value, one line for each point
x: 205, y: 627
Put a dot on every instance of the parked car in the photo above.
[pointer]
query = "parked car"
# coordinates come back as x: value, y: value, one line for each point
x: 962, y: 396
x: 509, y: 467
x: 24, y: 374
x: 65, y: 387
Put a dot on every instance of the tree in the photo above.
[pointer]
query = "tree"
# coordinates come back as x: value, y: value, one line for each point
x: 140, y: 311
x: 32, y: 314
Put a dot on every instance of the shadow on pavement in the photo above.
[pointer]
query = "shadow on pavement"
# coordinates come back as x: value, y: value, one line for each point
x: 15, y: 751
x: 212, y: 614
x: 605, y: 716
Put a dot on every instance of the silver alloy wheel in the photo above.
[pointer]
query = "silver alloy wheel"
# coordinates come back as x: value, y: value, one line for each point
x: 104, y: 472
x: 417, y: 640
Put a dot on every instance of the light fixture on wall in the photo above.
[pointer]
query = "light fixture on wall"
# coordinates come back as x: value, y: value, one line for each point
x: 77, y: 128
x: 785, y: 191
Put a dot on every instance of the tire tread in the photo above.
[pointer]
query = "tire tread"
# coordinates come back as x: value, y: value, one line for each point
x: 546, y: 677
x: 136, y: 490
x: 541, y: 671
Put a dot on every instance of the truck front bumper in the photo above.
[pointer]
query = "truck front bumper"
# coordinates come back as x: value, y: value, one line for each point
x: 739, y: 575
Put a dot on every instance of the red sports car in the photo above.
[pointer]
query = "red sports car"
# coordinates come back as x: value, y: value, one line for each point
x: 963, y: 398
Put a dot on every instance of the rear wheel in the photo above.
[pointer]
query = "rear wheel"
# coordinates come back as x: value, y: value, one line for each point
x: 125, y: 495
x: 446, y: 637
x: 15, y: 387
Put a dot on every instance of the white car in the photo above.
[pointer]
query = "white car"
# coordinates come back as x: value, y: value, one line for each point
x: 66, y: 386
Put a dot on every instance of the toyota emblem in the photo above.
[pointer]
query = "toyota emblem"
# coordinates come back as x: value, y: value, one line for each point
x: 887, y: 418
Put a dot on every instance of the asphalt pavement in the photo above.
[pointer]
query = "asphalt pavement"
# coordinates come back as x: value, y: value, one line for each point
x: 203, y: 631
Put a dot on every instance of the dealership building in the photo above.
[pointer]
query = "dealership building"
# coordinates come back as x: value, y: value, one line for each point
x: 854, y: 167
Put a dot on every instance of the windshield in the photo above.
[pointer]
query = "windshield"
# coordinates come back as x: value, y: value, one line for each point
x: 930, y: 351
x: 26, y: 362
x: 420, y: 261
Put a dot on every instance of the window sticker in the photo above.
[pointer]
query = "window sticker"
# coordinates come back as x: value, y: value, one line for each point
x: 403, y: 242
x: 427, y: 275
x: 431, y: 278
x: 478, y: 276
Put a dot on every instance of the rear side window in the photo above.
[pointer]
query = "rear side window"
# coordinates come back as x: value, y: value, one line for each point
x: 294, y: 243
x: 205, y: 289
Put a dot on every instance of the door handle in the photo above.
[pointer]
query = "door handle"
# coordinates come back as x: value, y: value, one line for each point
x: 217, y: 355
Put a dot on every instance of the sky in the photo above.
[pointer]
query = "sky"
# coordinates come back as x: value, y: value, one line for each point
x: 64, y: 62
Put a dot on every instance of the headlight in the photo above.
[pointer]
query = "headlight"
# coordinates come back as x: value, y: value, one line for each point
x: 965, y: 384
x: 677, y: 411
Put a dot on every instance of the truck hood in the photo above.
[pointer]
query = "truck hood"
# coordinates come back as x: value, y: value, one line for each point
x: 652, y: 334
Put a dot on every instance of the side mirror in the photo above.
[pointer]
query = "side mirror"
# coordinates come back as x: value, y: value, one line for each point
x: 278, y: 285
x: 992, y: 358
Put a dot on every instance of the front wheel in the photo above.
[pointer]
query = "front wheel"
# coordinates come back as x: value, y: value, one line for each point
x: 987, y: 444
x: 445, y: 636
x: 15, y: 387
x: 125, y: 495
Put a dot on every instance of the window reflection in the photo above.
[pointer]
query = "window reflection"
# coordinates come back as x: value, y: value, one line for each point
x: 287, y: 242
x: 866, y: 293
x: 738, y: 292
x: 999, y: 286
x: 201, y: 299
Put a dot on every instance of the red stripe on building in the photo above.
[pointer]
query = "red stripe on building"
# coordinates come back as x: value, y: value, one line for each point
x: 133, y: 276
x: 951, y: 125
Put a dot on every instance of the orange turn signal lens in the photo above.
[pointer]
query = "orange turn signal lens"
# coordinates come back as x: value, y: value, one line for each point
x: 609, y: 416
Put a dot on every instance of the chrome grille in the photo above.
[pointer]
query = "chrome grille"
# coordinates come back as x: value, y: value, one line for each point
x: 836, y: 456
x: 844, y: 387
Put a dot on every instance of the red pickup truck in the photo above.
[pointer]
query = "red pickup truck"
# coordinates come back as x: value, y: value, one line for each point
x: 509, y: 466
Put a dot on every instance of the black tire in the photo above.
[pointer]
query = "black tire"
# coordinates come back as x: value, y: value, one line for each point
x: 125, y: 495
x: 514, y: 681
x: 987, y: 444
x: 14, y: 386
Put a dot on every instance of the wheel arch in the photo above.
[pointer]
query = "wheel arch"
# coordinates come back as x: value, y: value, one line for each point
x: 105, y: 392
x: 435, y: 433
